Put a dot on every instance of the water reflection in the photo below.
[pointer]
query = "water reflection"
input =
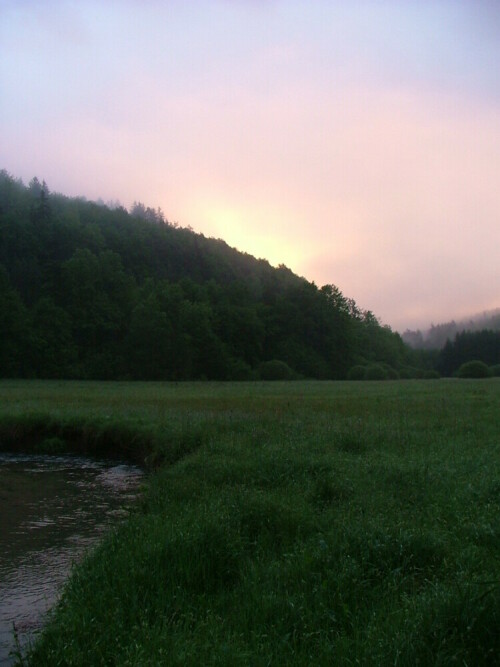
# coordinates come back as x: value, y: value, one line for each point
x: 51, y: 510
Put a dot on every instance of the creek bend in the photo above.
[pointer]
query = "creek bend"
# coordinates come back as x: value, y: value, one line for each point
x: 52, y: 509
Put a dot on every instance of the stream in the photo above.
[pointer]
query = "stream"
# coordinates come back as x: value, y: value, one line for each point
x: 52, y: 509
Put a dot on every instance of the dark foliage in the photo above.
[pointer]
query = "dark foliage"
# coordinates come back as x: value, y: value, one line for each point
x: 478, y: 345
x: 436, y: 336
x: 88, y: 291
x: 357, y: 372
x: 376, y: 372
x: 474, y: 369
x: 275, y: 370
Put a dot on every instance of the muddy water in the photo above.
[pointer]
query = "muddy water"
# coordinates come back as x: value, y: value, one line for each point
x: 51, y: 510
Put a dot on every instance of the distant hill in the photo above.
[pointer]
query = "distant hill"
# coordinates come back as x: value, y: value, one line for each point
x: 436, y: 336
x: 95, y: 291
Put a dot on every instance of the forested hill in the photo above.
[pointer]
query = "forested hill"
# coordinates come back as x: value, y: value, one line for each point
x: 437, y: 335
x: 88, y: 291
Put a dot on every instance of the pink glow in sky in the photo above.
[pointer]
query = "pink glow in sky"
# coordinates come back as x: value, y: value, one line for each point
x: 356, y: 142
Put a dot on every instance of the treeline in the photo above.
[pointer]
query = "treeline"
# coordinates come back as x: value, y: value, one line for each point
x: 448, y: 348
x: 467, y: 346
x: 89, y: 291
x: 436, y: 336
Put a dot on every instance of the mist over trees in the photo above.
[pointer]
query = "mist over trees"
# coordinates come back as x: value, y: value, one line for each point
x: 452, y: 344
x: 94, y: 291
x: 436, y: 336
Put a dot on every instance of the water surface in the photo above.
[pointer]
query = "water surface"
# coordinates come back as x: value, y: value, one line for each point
x: 52, y: 508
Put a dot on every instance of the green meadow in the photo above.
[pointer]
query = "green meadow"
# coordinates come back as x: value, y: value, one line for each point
x: 294, y: 523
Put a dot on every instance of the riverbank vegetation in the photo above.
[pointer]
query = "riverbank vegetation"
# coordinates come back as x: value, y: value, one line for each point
x: 291, y: 523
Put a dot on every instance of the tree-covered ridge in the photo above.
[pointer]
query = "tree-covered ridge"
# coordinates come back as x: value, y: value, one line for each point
x: 437, y: 335
x: 89, y: 291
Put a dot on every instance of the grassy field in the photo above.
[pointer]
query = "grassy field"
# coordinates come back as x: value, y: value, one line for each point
x: 304, y: 523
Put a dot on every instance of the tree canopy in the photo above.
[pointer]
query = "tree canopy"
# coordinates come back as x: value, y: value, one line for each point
x: 91, y: 291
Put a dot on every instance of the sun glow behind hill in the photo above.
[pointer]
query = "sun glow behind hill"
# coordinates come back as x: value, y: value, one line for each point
x: 252, y: 229
x: 357, y: 143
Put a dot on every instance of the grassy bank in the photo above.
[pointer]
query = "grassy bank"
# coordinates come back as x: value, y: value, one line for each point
x: 285, y: 523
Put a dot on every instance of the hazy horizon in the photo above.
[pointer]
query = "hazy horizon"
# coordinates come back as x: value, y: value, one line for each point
x: 357, y: 143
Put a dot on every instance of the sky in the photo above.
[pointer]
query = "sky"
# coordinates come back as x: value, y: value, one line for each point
x: 356, y: 142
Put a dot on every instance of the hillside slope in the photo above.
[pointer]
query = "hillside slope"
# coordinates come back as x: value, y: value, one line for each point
x: 92, y: 292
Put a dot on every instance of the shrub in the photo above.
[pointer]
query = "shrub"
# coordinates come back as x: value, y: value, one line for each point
x: 357, y: 372
x: 392, y: 373
x: 495, y: 370
x: 53, y: 445
x: 410, y: 373
x: 473, y: 369
x: 431, y: 375
x: 275, y: 370
x: 376, y: 372
x: 240, y: 371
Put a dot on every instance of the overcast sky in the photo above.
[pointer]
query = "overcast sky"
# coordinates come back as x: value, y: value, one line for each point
x: 356, y: 142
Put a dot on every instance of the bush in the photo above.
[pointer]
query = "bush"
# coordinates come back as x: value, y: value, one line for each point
x: 275, y: 370
x: 376, y: 372
x: 431, y: 375
x: 357, y: 372
x: 392, y: 373
x: 53, y: 445
x: 240, y: 371
x: 473, y: 369
x: 410, y: 373
x: 495, y: 370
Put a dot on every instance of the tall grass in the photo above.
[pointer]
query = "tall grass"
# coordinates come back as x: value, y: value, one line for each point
x: 284, y: 523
